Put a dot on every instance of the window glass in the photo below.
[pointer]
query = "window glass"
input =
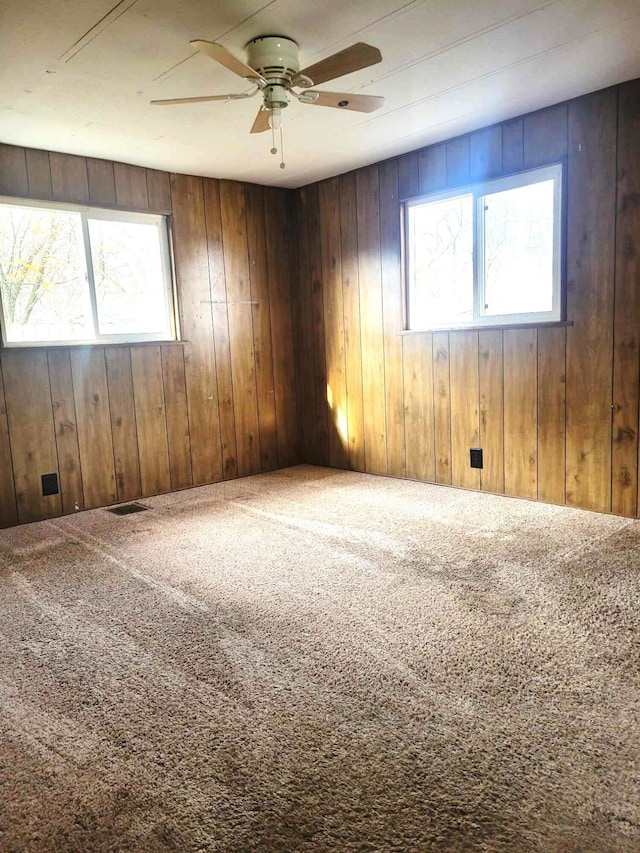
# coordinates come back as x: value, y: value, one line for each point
x: 518, y: 250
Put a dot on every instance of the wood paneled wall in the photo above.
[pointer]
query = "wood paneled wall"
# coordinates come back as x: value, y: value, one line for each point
x: 123, y: 422
x: 555, y: 409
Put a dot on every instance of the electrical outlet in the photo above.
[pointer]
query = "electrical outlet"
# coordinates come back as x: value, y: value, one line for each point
x: 476, y: 457
x: 50, y: 485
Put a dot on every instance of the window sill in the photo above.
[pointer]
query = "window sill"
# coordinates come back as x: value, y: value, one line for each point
x: 556, y: 324
x: 106, y: 345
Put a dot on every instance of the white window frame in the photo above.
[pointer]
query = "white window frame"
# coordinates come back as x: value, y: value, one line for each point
x: 479, y: 191
x: 86, y: 212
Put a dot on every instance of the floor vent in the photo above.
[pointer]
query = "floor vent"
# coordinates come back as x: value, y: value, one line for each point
x: 127, y: 509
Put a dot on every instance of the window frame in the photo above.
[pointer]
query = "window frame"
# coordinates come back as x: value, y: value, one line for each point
x: 162, y: 222
x: 478, y: 191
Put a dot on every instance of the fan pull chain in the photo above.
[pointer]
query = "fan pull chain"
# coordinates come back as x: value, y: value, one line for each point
x: 282, y: 166
x: 274, y: 150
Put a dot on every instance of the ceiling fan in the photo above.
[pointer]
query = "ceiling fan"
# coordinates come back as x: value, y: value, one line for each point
x: 273, y: 67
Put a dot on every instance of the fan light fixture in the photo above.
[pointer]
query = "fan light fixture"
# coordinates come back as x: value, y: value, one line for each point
x: 274, y: 70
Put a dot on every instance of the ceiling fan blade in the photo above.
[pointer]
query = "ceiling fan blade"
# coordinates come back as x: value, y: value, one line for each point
x: 350, y: 59
x: 222, y: 55
x: 168, y: 101
x: 343, y: 101
x: 261, y: 122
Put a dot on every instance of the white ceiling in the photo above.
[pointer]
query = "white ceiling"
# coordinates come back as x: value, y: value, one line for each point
x: 77, y: 76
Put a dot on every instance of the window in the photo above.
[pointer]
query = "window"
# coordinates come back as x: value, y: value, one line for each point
x: 72, y: 275
x: 490, y: 255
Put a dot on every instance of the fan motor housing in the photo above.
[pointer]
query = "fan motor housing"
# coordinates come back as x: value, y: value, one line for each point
x: 274, y: 57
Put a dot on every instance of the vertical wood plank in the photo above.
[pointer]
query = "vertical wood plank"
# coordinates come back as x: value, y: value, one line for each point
x: 32, y: 431
x: 64, y: 418
x: 590, y: 271
x: 545, y: 136
x: 418, y: 406
x: 101, y: 180
x: 13, y: 171
x: 351, y: 314
x: 281, y: 327
x: 626, y: 343
x: 175, y: 398
x: 243, y: 366
x: 317, y: 317
x: 551, y: 414
x: 39, y: 173
x: 8, y: 510
x: 371, y: 334
x: 306, y: 354
x: 408, y: 175
x: 151, y: 425
x: 457, y: 161
x: 491, y: 380
x: 95, y: 441
x: 261, y: 318
x: 334, y: 322
x: 520, y: 413
x: 442, y: 406
x: 220, y: 319
x: 513, y: 145
x: 192, y: 270
x: 392, y: 314
x: 69, y: 177
x: 432, y: 168
x: 158, y: 191
x: 131, y: 186
x: 122, y: 414
x: 465, y: 418
x: 485, y: 153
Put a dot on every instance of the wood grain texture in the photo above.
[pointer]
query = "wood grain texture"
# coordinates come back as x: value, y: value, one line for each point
x: 551, y: 414
x: 408, y: 175
x: 284, y: 378
x: 13, y: 171
x: 590, y: 297
x: 545, y: 136
x: 465, y: 417
x: 432, y: 168
x: 626, y: 326
x: 126, y: 455
x: 102, y: 181
x: 371, y: 333
x: 351, y: 314
x: 485, y: 153
x: 95, y: 440
x: 243, y: 365
x: 306, y: 355
x: 32, y: 431
x: 39, y: 173
x: 334, y: 323
x: 261, y: 319
x: 392, y: 317
x: 175, y: 398
x: 220, y: 319
x: 491, y: 386
x: 418, y: 407
x: 148, y: 395
x: 442, y: 406
x: 131, y: 186
x: 317, y: 324
x: 8, y: 509
x: 192, y: 270
x: 69, y: 178
x: 158, y: 191
x: 520, y: 413
x: 64, y: 419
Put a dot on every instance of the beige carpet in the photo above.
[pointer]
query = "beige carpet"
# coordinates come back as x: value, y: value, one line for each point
x: 314, y: 660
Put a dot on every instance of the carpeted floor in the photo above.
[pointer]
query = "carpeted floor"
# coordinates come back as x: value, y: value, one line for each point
x: 316, y: 661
